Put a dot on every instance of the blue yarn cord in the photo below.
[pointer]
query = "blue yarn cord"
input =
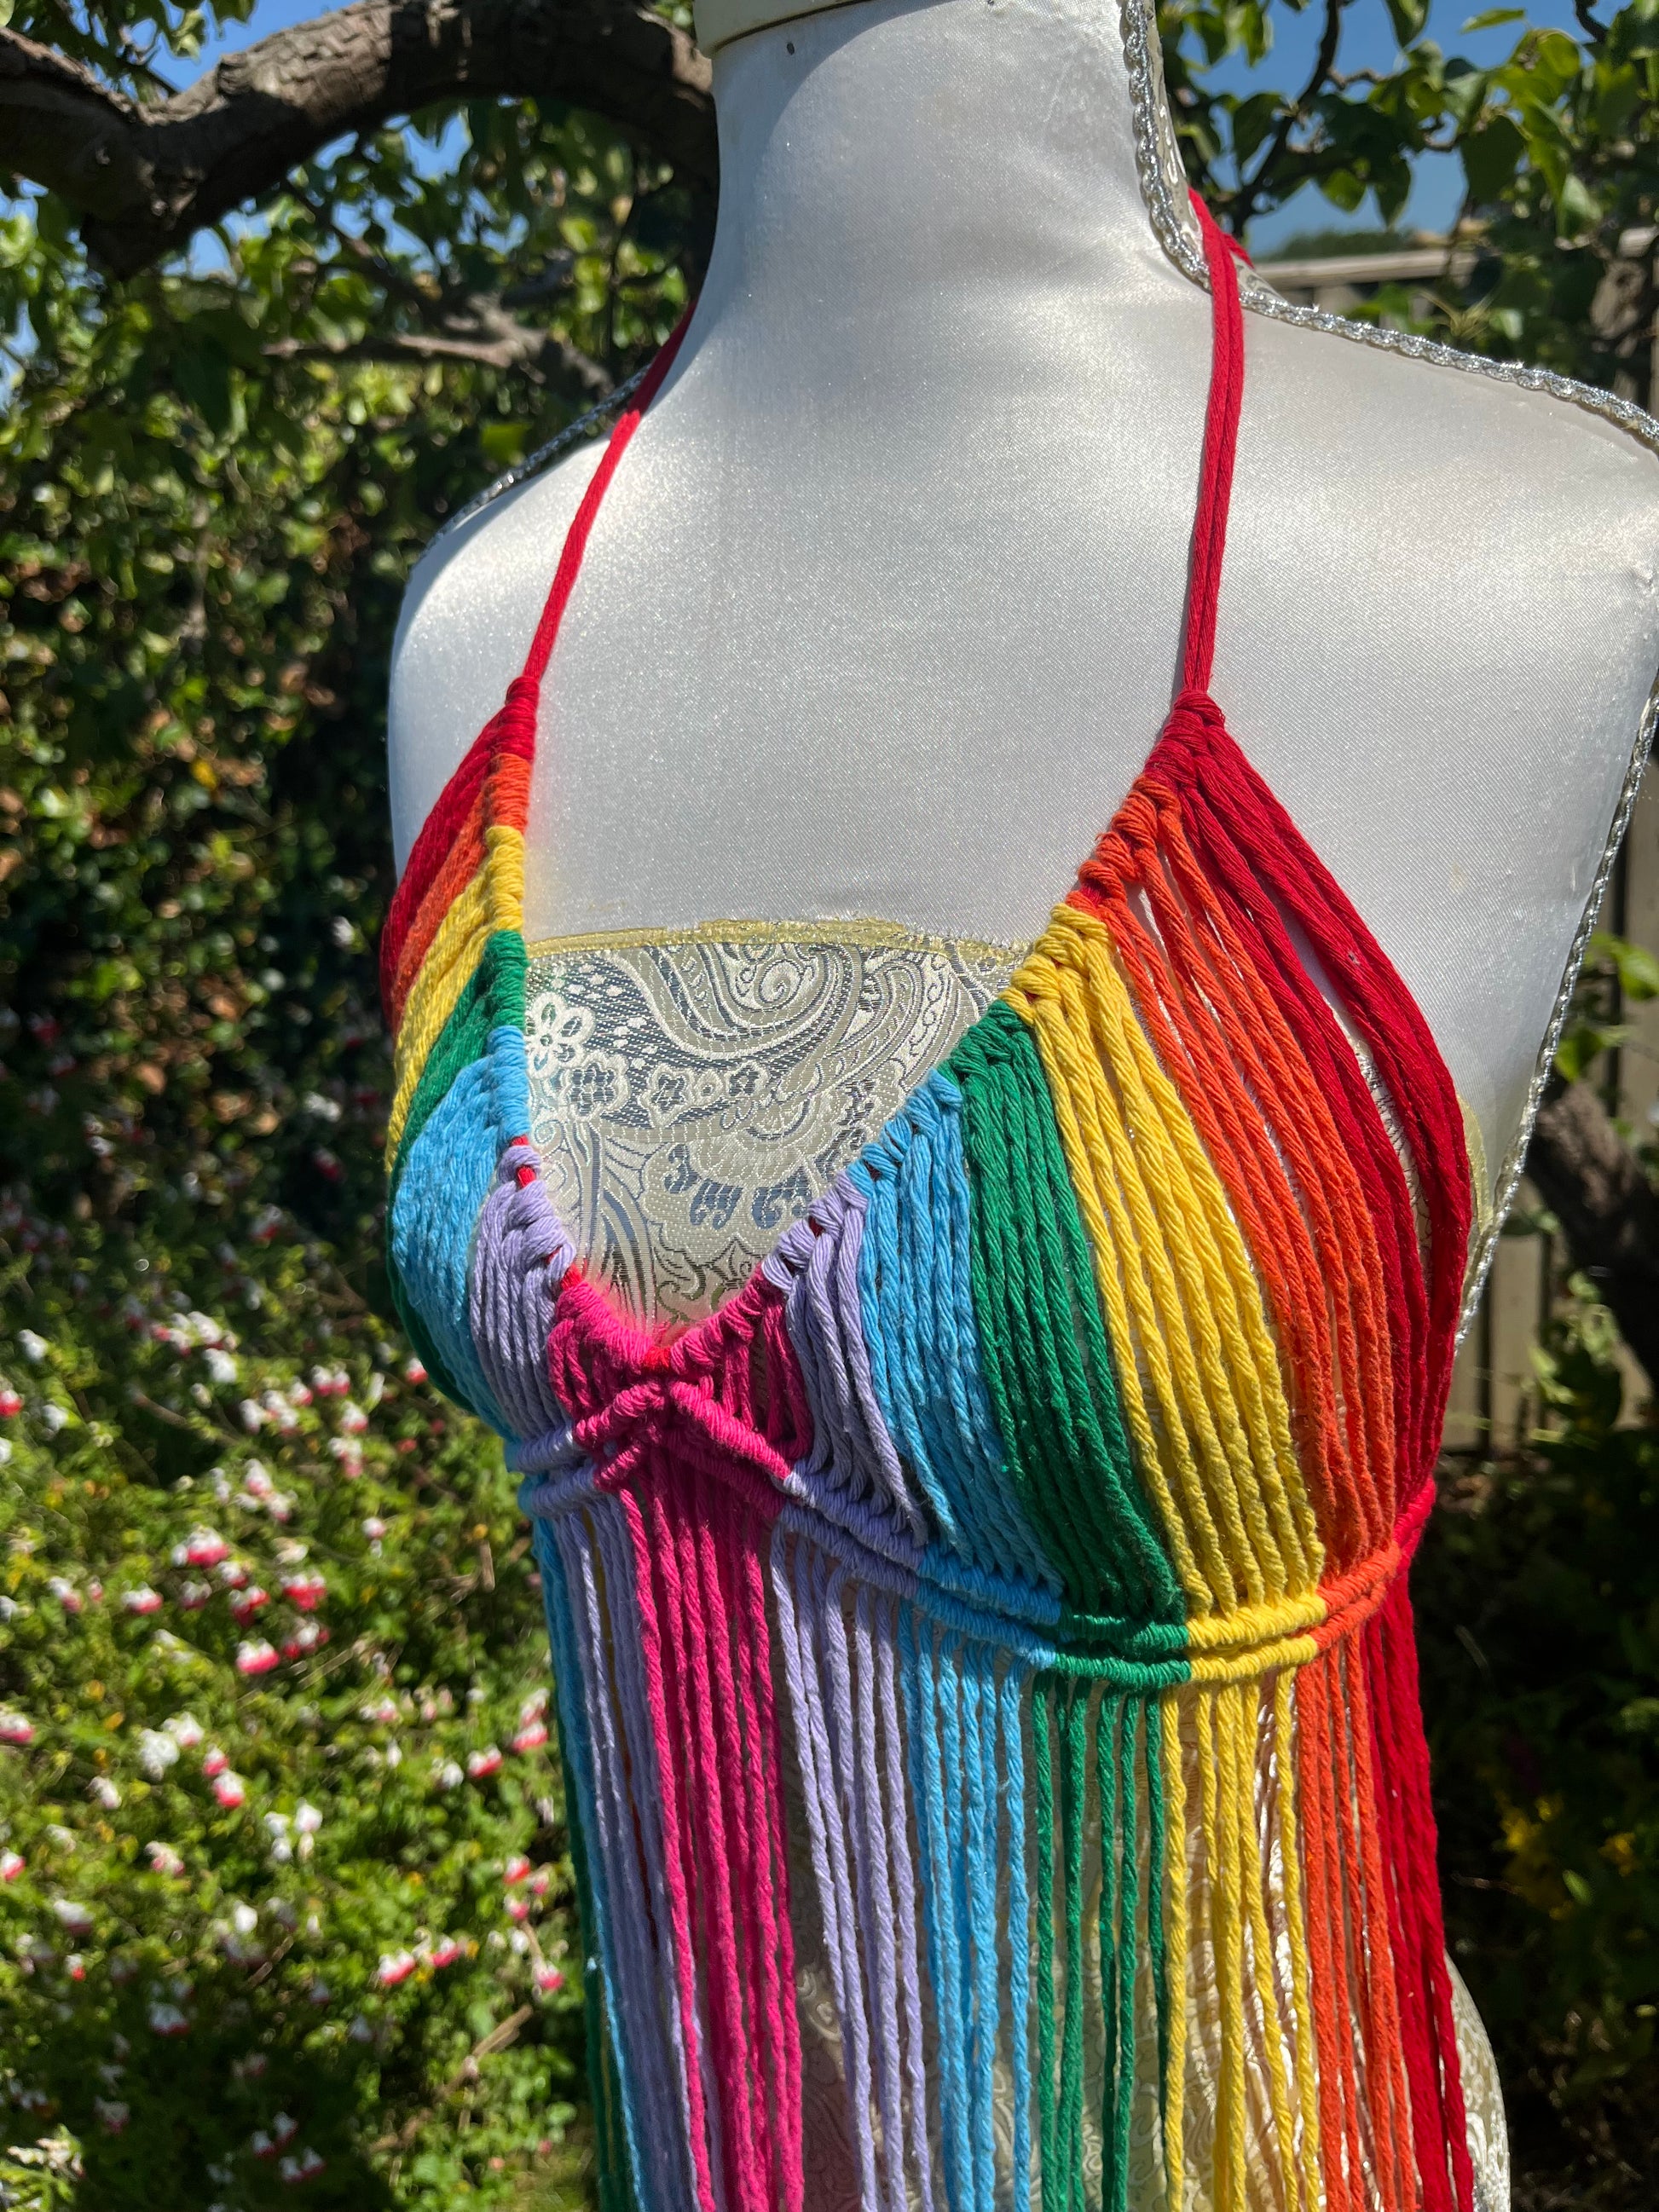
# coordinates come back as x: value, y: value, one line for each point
x: 938, y: 1916
x: 573, y: 1728
x: 978, y: 1714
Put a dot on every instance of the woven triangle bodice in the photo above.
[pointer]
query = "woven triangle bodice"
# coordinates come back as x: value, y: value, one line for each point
x: 986, y: 1675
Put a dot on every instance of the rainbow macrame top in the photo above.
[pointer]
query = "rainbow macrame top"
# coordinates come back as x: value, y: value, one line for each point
x: 983, y: 1645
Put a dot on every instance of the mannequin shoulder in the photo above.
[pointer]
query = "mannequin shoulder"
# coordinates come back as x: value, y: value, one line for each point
x: 498, y: 560
x: 1470, y: 447
x: 467, y: 619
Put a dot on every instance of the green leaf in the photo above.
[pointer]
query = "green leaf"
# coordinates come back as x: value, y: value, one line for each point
x: 1490, y: 157
x: 1489, y: 17
x: 1637, y: 969
x: 1253, y: 121
x: 202, y: 374
x: 1409, y: 18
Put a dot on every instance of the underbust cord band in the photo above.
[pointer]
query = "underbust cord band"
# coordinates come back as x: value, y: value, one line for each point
x: 993, y: 1617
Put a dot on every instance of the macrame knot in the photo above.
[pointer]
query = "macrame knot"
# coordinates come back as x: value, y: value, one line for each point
x: 724, y: 1393
x: 515, y: 722
x: 1190, y: 731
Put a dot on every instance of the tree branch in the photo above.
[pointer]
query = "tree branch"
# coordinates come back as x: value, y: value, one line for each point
x: 1247, y: 198
x: 482, y: 332
x: 142, y: 178
x: 1596, y: 1188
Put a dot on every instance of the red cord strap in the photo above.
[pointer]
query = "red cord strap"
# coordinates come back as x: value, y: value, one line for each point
x: 1220, y: 445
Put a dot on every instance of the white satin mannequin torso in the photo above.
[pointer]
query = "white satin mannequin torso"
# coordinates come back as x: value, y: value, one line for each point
x: 884, y: 610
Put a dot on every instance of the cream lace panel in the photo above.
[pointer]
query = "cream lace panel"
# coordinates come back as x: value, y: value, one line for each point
x: 692, y: 1091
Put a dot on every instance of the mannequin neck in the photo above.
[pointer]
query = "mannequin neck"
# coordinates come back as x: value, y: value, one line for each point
x: 883, y: 161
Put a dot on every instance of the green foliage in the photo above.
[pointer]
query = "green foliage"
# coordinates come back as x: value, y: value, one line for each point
x: 1558, y: 145
x: 1616, y: 974
x: 213, y: 481
x: 1541, y: 1640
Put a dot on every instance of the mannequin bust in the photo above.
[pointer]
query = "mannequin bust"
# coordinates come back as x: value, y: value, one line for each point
x: 885, y: 610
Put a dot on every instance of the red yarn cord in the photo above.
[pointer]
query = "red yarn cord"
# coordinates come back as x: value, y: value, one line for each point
x: 1220, y: 446
x: 575, y: 543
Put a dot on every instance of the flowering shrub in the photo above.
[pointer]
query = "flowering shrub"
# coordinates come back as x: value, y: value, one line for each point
x: 288, y: 1910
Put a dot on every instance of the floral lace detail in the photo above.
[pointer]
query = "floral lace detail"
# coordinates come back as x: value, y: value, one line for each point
x: 692, y: 1093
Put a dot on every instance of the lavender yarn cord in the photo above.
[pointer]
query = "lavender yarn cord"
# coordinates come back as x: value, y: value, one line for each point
x: 520, y: 1254
x: 790, y: 1576
x: 639, y: 1997
x: 854, y: 1711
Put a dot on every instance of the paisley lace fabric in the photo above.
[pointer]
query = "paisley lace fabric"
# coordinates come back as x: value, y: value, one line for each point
x: 692, y: 1093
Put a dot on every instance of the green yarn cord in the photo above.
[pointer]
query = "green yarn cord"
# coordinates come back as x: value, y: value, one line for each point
x: 1074, y: 1820
x: 1046, y: 1358
x: 1128, y: 1947
x: 1108, y: 1722
x: 1042, y: 1806
x: 1157, y: 1845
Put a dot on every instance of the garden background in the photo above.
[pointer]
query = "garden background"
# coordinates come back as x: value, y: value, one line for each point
x: 285, y: 1901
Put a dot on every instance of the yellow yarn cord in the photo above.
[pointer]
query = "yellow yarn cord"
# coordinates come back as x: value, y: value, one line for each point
x: 1184, y: 1309
x: 1175, y: 1951
x: 1218, y: 1815
x: 1296, y: 1928
x: 493, y: 900
x: 1264, y: 1959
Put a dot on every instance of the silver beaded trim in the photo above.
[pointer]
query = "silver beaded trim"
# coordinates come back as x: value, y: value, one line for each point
x: 533, y: 464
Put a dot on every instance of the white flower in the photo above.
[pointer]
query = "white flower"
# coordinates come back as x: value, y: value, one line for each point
x: 34, y: 1348
x: 111, y: 2115
x: 307, y: 1819
x: 157, y: 1751
x: 185, y: 1731
x: 395, y: 1966
x: 143, y: 1600
x: 75, y: 1917
x: 243, y: 1918
x: 449, y: 1775
x: 54, y: 1416
x: 353, y: 1420
x: 103, y: 1792
x: 164, y: 1859
x: 252, y: 1416
x: 220, y: 1364
x: 168, y: 2019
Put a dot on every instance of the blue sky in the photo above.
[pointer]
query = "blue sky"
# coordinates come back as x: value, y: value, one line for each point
x: 1368, y: 42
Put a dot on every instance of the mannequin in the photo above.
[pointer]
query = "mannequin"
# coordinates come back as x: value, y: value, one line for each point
x: 885, y: 608
x: 884, y: 614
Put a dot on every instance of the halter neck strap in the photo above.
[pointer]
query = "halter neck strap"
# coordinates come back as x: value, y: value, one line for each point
x: 1220, y: 446
x: 575, y: 543
x: 1209, y: 525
